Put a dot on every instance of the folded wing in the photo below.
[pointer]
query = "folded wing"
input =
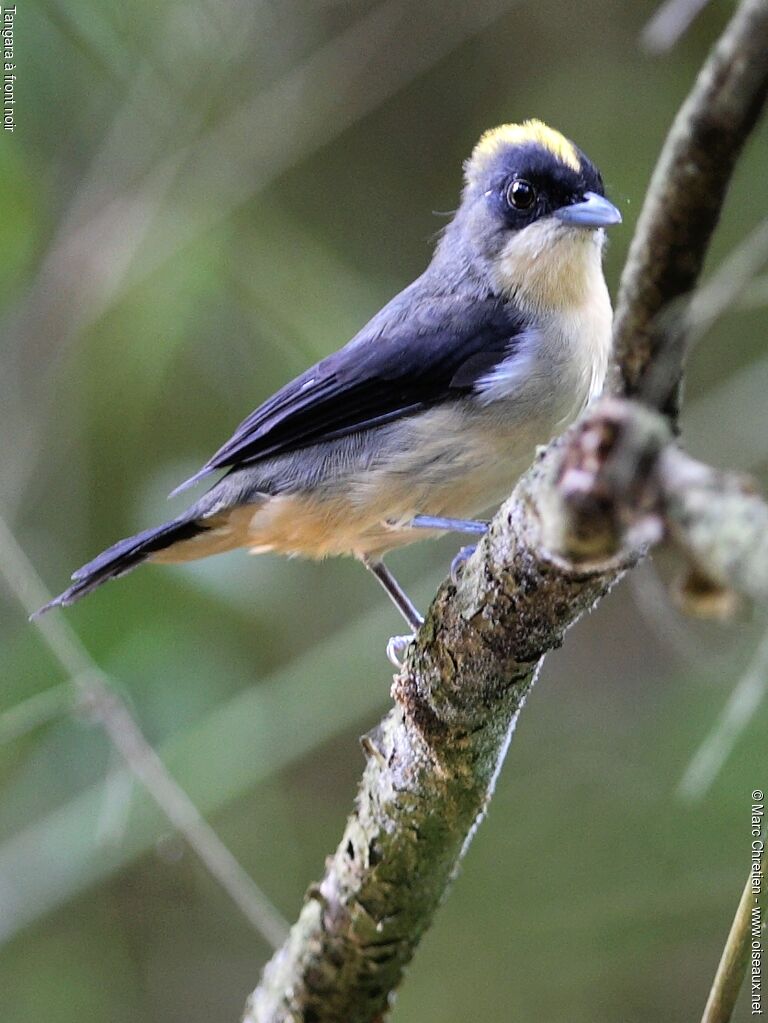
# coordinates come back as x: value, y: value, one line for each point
x: 411, y: 356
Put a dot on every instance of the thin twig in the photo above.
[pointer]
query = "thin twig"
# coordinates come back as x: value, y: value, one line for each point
x: 717, y: 418
x: 733, y: 962
x: 728, y: 284
x: 115, y: 809
x: 669, y: 24
x: 745, y: 698
x: 101, y: 701
x: 652, y: 602
x: 109, y: 710
x: 36, y: 711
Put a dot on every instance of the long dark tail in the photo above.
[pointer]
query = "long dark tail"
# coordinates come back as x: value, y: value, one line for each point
x: 123, y: 557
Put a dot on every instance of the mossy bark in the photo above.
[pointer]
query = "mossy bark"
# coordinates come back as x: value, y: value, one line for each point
x: 431, y: 768
x: 576, y: 521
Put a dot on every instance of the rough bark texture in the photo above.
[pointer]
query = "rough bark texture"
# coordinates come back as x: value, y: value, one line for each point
x: 682, y: 209
x: 432, y: 764
x: 577, y: 520
x: 720, y: 523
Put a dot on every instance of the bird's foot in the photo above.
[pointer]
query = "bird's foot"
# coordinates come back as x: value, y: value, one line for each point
x: 457, y: 565
x: 397, y: 647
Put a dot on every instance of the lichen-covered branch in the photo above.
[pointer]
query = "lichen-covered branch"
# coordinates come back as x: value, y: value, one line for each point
x: 624, y: 483
x: 431, y: 768
x: 719, y: 521
x: 582, y: 515
x: 682, y: 208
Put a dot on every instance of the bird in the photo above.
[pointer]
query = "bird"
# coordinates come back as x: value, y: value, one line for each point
x: 427, y: 417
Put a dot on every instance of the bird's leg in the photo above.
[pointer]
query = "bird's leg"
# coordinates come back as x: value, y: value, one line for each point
x: 397, y: 644
x: 396, y: 593
x: 473, y: 526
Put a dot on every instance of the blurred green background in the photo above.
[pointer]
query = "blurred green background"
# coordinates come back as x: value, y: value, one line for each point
x: 198, y: 201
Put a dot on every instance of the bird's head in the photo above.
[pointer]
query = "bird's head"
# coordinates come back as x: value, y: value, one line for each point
x: 532, y: 213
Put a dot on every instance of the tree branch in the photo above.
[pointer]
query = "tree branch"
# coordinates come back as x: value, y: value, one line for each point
x: 579, y: 518
x: 432, y: 764
x: 91, y: 691
x: 682, y: 208
x: 719, y: 521
x: 733, y: 962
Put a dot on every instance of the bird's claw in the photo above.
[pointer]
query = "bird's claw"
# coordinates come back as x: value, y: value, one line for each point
x: 457, y: 565
x: 397, y: 648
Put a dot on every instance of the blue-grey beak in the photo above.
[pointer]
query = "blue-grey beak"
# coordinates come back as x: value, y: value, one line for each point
x: 594, y: 211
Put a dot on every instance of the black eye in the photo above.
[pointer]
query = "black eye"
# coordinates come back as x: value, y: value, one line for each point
x: 521, y: 194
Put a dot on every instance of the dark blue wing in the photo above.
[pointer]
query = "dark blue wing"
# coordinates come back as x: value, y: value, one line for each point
x: 417, y: 352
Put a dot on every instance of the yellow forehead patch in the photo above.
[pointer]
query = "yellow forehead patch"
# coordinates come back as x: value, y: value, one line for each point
x: 521, y: 134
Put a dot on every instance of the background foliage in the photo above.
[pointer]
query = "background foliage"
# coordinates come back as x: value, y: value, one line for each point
x: 198, y: 201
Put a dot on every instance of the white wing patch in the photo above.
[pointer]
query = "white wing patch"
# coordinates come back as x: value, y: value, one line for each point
x: 513, y: 373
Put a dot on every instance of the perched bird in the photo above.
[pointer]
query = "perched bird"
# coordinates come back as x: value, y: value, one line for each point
x: 427, y: 417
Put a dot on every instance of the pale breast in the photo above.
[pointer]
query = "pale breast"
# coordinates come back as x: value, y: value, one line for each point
x: 555, y: 274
